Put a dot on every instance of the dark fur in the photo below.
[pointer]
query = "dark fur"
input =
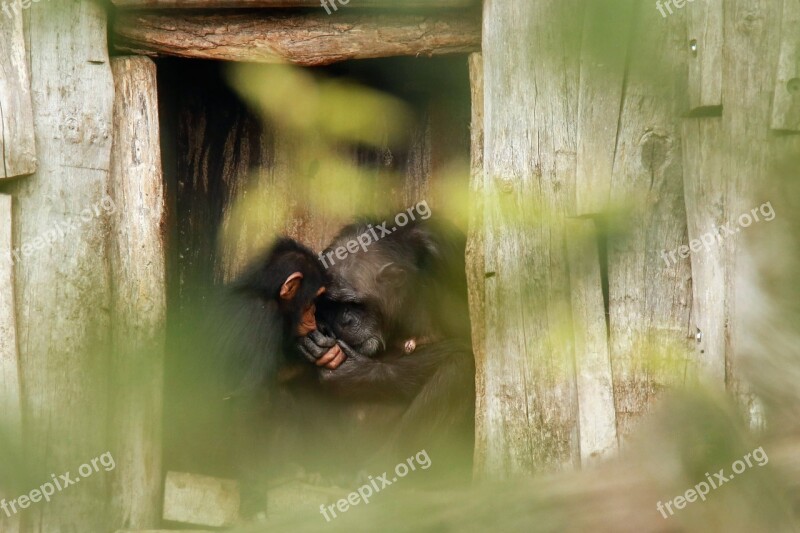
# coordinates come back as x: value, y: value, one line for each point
x: 410, y: 284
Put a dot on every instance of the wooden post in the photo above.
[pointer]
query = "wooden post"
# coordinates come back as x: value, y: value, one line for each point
x: 139, y: 305
x: 527, y: 420
x: 17, y: 144
x: 62, y: 280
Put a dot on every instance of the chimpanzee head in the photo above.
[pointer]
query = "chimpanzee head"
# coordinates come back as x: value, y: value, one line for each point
x: 410, y: 283
x: 290, y: 276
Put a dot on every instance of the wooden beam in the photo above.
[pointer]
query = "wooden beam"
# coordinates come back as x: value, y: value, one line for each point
x: 302, y: 39
x: 139, y: 304
x: 17, y: 144
x: 215, y: 4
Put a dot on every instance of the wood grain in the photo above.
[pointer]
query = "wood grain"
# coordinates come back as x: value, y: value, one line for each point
x: 139, y: 305
x: 528, y: 419
x: 303, y: 39
x: 17, y: 143
x: 62, y: 278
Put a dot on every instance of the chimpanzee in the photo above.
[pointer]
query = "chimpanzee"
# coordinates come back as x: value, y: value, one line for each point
x: 399, y: 311
x: 247, y: 388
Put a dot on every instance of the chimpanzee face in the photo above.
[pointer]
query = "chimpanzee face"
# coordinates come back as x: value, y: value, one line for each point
x: 354, y: 323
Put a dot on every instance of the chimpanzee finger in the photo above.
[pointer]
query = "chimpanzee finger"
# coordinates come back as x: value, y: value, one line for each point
x: 348, y: 351
x: 321, y: 339
x: 331, y: 355
x: 307, y: 355
x: 338, y: 360
x: 311, y: 350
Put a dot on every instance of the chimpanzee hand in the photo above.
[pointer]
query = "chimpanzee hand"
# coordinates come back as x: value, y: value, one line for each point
x: 321, y: 350
x: 352, y: 367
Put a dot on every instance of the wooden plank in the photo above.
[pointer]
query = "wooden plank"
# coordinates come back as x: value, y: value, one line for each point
x: 528, y: 420
x: 649, y: 298
x: 139, y: 305
x: 17, y: 143
x: 786, y: 100
x: 751, y: 152
x: 475, y: 252
x: 597, y: 417
x: 62, y: 282
x: 10, y: 399
x: 705, y: 186
x: 347, y: 4
x: 304, y: 39
x: 200, y: 500
x: 704, y: 49
x: 604, y: 52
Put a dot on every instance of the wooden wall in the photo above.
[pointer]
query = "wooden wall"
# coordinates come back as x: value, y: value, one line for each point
x: 644, y: 132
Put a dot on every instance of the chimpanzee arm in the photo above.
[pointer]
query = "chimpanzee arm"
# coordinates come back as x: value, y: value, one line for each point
x: 394, y: 375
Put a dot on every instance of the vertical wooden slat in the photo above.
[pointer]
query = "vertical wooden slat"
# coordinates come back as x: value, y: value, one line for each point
x: 139, y: 304
x: 752, y: 47
x: 528, y: 420
x: 705, y: 188
x: 704, y: 48
x: 10, y: 401
x: 17, y: 144
x: 475, y: 253
x: 62, y: 282
x: 597, y: 418
x: 649, y: 296
x: 786, y: 99
x: 604, y: 52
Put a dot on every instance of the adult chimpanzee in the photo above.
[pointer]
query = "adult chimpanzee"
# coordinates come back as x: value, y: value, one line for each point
x: 399, y: 310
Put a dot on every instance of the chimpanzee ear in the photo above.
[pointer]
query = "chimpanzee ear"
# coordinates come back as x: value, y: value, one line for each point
x: 291, y: 286
x: 392, y: 275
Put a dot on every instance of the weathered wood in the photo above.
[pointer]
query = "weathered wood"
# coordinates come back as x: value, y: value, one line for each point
x: 200, y: 500
x: 604, y: 51
x: 207, y: 4
x: 750, y: 152
x: 139, y: 305
x: 303, y: 39
x: 786, y: 100
x: 10, y: 400
x: 649, y: 297
x: 598, y: 428
x: 705, y: 186
x: 475, y: 253
x: 17, y: 143
x: 62, y: 280
x: 528, y: 420
x: 704, y: 50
